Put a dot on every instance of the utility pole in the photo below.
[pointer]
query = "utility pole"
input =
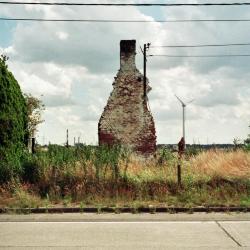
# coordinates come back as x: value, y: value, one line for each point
x: 144, y: 71
x: 144, y: 52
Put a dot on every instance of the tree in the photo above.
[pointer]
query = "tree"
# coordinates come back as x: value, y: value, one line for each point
x: 35, y: 108
x: 247, y: 143
x: 13, y: 123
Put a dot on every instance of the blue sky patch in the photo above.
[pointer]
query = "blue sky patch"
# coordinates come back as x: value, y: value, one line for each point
x: 154, y: 11
x: 6, y: 32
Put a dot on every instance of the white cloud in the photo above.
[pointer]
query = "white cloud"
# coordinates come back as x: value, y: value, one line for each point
x: 62, y: 35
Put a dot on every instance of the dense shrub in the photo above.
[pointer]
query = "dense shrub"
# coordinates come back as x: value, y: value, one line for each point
x: 13, y: 123
x: 247, y: 143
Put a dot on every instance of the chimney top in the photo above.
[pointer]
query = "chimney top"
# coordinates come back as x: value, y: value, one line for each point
x: 127, y: 46
x: 127, y: 54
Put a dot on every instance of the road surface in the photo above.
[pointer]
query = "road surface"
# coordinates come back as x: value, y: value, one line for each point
x: 125, y: 231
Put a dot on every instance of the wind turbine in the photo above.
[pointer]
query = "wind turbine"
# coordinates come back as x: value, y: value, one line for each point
x: 184, y: 105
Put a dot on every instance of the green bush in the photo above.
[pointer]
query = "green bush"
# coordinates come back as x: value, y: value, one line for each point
x: 164, y: 155
x: 10, y: 165
x: 247, y: 147
x: 193, y: 150
x: 13, y: 123
x: 30, y: 168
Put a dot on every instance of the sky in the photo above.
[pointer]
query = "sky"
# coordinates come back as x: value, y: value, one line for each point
x: 71, y: 68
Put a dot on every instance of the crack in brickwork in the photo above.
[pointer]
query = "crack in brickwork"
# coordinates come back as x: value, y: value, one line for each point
x: 126, y: 119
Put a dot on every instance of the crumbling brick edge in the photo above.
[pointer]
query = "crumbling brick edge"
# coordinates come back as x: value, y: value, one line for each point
x: 150, y: 209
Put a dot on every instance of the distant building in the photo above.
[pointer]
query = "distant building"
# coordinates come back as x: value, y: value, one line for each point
x: 126, y: 119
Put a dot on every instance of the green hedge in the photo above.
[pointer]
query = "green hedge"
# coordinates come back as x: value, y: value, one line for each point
x: 13, y: 123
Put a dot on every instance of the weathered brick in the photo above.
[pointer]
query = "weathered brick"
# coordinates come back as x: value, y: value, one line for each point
x: 126, y: 119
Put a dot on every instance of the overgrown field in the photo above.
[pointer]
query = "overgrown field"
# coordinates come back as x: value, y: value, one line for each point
x: 100, y: 176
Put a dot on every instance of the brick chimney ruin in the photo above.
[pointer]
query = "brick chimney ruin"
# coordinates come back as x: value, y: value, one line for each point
x: 126, y: 119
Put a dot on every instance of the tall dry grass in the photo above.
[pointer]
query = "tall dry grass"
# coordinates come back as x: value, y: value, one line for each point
x: 217, y: 163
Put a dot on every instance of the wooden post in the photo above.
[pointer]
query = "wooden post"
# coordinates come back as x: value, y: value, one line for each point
x: 179, y: 174
x: 67, y: 141
x: 181, y: 151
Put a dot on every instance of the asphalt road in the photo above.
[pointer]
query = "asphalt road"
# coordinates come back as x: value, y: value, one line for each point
x: 145, y: 231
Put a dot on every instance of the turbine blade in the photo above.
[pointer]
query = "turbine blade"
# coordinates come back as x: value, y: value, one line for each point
x: 190, y: 101
x: 180, y: 100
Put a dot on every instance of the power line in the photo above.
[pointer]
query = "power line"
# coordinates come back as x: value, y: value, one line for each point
x: 122, y: 21
x: 203, y: 56
x: 125, y: 4
x: 201, y: 45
